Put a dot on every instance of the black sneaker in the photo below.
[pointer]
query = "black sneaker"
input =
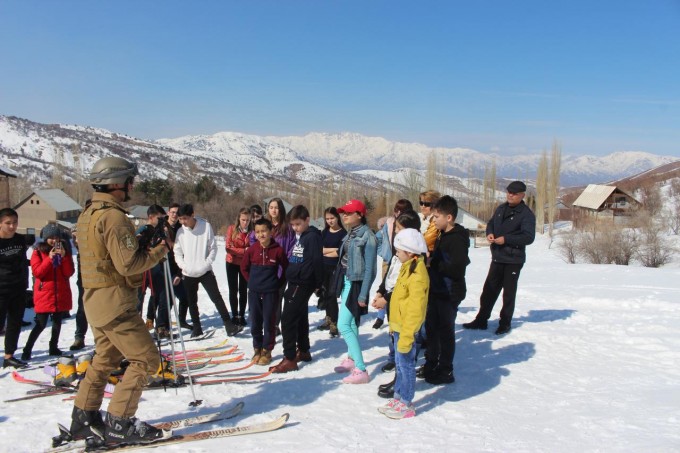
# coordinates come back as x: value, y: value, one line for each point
x: 389, y: 366
x: 14, y: 362
x: 475, y: 325
x: 121, y: 430
x: 387, y: 392
x: 388, y: 385
x: 186, y: 325
x: 82, y: 421
x: 503, y: 329
x: 378, y: 323
x: 197, y: 332
x: 440, y: 377
x: 427, y: 370
x: 231, y: 328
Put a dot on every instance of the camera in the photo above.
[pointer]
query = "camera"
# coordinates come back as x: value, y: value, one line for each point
x: 151, y: 236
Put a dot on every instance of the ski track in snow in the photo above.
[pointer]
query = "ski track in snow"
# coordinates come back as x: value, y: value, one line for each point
x: 592, y: 364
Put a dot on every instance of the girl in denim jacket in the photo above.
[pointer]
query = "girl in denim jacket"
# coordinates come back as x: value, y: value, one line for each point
x: 354, y: 276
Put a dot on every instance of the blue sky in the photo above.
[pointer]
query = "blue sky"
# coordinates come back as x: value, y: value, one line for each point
x: 496, y: 76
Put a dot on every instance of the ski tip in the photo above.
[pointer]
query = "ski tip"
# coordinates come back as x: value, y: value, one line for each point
x: 63, y: 429
x: 285, y: 417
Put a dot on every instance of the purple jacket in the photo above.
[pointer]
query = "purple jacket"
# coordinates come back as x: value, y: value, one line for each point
x: 286, y: 241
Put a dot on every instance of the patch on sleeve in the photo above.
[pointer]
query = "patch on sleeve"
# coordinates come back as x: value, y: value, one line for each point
x: 129, y: 241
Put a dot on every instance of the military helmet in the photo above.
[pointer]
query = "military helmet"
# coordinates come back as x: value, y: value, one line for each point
x: 112, y: 170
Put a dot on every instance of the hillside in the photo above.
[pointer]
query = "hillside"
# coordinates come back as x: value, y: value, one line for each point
x: 35, y: 150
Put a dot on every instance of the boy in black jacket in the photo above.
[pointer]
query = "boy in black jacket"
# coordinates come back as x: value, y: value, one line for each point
x: 447, y: 290
x: 304, y: 276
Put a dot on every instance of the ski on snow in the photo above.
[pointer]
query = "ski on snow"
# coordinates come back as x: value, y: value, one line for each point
x: 205, y: 435
x: 59, y: 445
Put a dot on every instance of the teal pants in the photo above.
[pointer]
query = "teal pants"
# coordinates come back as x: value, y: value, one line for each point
x: 348, y: 328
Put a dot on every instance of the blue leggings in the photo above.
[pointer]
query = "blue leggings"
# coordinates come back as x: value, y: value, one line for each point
x: 348, y: 328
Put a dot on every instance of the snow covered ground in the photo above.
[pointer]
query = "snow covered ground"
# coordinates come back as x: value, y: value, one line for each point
x: 592, y: 364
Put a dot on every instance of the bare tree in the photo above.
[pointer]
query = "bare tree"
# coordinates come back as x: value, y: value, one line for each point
x: 489, y: 196
x: 651, y: 199
x: 414, y: 183
x: 568, y: 246
x: 554, y: 184
x: 431, y: 179
x: 541, y: 192
x: 655, y: 249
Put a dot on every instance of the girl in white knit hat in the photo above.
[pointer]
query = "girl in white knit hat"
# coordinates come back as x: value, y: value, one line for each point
x: 408, y: 306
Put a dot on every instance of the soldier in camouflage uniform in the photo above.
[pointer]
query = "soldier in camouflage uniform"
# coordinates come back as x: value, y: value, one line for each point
x: 111, y: 266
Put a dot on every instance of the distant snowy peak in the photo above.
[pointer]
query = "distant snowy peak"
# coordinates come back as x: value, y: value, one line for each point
x: 353, y: 151
x: 251, y: 151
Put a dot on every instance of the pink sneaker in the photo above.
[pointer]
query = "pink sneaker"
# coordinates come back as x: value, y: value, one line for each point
x: 345, y: 366
x: 357, y: 377
x: 389, y: 405
x: 400, y: 410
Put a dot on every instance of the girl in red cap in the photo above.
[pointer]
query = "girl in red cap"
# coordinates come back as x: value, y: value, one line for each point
x: 353, y: 279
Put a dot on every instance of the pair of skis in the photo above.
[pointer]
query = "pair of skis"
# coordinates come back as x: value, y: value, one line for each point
x: 80, y: 446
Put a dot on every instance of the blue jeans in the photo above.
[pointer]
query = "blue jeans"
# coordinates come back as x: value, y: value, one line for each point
x: 349, y: 330
x: 390, y: 356
x: 405, y: 386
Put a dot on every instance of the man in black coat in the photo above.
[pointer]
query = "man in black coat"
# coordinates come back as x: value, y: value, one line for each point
x: 510, y: 230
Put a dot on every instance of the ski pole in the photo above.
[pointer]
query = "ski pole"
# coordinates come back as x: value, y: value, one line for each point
x: 167, y: 285
x: 171, y: 293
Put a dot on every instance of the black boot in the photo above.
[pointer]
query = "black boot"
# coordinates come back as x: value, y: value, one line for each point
x: 121, y: 430
x: 82, y: 421
x: 387, y: 390
x: 78, y: 344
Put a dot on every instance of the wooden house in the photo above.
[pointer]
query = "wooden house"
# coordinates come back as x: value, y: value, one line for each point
x: 47, y: 206
x: 5, y: 174
x: 600, y: 202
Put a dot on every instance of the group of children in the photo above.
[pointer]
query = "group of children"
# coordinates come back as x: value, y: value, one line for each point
x: 422, y: 287
x: 279, y: 261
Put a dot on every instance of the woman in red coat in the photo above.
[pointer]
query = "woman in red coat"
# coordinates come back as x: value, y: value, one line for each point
x: 52, y: 266
x: 236, y: 243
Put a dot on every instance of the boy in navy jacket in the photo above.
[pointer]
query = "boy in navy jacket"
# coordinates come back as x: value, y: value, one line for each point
x: 260, y: 267
x: 447, y: 290
x: 304, y: 276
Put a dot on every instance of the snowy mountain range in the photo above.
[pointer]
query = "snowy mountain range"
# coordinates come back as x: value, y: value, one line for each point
x: 233, y: 159
x: 352, y: 152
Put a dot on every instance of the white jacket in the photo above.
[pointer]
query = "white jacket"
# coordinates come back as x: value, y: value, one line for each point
x: 195, y: 248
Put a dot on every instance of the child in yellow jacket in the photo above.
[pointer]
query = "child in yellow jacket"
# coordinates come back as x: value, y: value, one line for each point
x: 408, y: 306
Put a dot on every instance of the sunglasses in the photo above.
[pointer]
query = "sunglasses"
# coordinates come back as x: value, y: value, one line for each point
x: 427, y: 204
